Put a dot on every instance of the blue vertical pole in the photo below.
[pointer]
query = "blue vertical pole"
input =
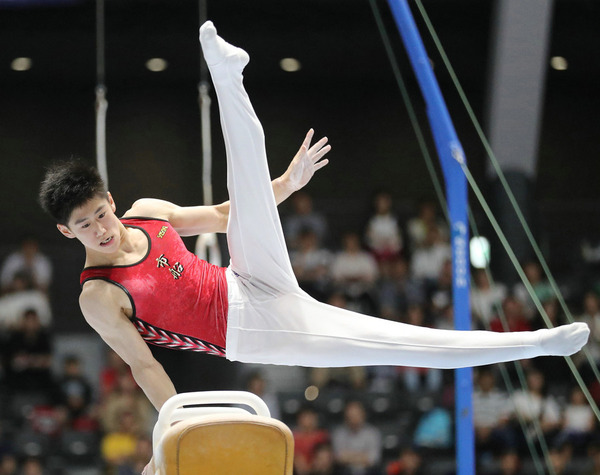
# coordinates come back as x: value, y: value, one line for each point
x: 451, y: 157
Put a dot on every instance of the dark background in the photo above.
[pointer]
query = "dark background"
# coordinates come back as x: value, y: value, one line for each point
x: 345, y: 90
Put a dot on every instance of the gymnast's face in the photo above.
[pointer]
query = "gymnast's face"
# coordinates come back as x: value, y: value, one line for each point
x: 95, y: 224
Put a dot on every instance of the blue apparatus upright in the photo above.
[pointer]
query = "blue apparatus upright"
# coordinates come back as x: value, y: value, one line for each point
x: 452, y: 158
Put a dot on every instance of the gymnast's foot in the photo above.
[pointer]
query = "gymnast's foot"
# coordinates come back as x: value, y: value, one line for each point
x: 564, y: 340
x: 216, y: 50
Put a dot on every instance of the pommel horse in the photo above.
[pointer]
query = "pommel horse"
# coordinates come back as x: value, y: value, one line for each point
x: 213, y: 437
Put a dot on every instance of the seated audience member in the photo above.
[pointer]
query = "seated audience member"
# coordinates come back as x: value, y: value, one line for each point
x: 257, y: 384
x: 28, y: 261
x: 398, y: 291
x: 354, y: 272
x: 307, y: 437
x: 311, y: 264
x: 28, y: 356
x: 428, y: 259
x: 324, y: 461
x: 32, y: 466
x: 434, y: 430
x: 357, y: 444
x: 486, y: 298
x: 440, y: 291
x: 409, y: 462
x: 114, y: 368
x: 24, y: 297
x: 510, y: 463
x: 591, y: 316
x: 75, y: 394
x: 516, y: 320
x: 418, y: 379
x: 578, y: 421
x: 119, y: 444
x: 303, y: 218
x: 541, y: 288
x: 593, y: 455
x: 127, y: 398
x: 383, y: 236
x: 418, y: 226
x: 9, y: 464
x: 491, y: 410
x: 534, y: 405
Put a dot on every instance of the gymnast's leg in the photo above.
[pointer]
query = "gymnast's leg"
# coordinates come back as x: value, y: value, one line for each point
x: 278, y: 323
x: 295, y: 329
x: 255, y: 238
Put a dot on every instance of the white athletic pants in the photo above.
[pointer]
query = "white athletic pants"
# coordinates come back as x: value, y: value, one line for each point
x: 271, y: 320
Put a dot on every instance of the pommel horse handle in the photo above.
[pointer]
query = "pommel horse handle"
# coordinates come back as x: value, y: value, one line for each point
x: 173, y: 410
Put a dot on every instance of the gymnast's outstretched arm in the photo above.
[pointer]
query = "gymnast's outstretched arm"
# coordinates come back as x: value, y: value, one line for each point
x: 194, y: 220
x: 101, y: 308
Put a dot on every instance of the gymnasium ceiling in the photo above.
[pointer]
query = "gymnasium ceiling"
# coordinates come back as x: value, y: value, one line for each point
x: 335, y: 40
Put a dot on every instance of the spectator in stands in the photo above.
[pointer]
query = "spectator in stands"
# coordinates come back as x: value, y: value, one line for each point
x: 591, y: 316
x: 308, y: 435
x: 351, y: 377
x: 418, y: 226
x: 541, y: 288
x: 429, y: 257
x: 593, y: 452
x: 398, y: 291
x: 324, y: 461
x: 109, y: 376
x: 32, y: 466
x: 75, y: 393
x: 127, y: 398
x: 578, y: 421
x: 509, y: 463
x: 418, y: 379
x: 516, y: 320
x: 29, y: 356
x: 23, y: 297
x: 491, y: 414
x: 8, y: 464
x: 409, y: 462
x: 440, y: 292
x: 486, y: 298
x: 257, y: 384
x: 311, y: 264
x: 119, y: 444
x: 534, y: 405
x: 383, y: 236
x: 357, y: 444
x: 302, y: 218
x: 28, y: 261
x: 355, y: 272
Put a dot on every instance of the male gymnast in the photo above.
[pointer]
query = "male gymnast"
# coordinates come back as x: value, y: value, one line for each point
x: 141, y: 283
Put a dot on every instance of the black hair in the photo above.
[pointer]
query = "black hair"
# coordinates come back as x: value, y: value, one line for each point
x: 68, y: 185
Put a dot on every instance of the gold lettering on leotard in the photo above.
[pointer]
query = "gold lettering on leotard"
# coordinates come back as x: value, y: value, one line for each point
x: 176, y: 269
x: 162, y: 261
x: 162, y: 232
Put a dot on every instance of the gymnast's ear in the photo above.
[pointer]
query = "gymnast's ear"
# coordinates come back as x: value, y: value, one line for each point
x: 111, y: 201
x: 65, y: 231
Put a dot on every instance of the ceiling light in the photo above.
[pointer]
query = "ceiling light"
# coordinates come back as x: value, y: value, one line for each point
x: 156, y: 64
x: 290, y: 65
x: 21, y: 64
x: 559, y: 63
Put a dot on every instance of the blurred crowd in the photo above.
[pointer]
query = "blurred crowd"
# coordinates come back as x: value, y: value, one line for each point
x: 349, y: 421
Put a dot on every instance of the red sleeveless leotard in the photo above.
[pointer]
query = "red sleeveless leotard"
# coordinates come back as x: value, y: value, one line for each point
x: 178, y: 300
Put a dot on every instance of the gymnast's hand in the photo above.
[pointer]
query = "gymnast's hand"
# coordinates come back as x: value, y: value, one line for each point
x: 149, y: 469
x: 306, y: 162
